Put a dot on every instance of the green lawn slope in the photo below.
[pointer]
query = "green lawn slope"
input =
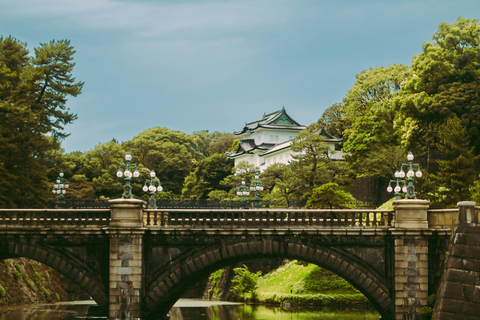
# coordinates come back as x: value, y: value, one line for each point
x: 301, y: 283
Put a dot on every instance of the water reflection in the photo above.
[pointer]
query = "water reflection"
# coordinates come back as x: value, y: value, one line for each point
x: 254, y: 312
x: 75, y: 310
x: 184, y: 310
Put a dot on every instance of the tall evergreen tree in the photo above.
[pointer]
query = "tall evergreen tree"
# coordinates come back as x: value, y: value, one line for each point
x: 33, y: 113
x: 456, y: 174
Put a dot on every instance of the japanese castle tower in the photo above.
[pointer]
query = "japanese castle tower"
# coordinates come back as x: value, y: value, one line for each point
x: 268, y: 140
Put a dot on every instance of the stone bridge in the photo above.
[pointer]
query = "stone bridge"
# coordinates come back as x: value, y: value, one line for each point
x: 136, y: 263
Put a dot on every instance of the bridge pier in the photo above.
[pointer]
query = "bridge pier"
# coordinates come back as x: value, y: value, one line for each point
x: 411, y: 258
x: 126, y: 259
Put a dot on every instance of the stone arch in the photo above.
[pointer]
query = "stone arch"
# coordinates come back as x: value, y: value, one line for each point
x: 78, y: 272
x: 168, y: 286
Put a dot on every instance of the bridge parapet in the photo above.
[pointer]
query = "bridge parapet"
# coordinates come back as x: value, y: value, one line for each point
x: 236, y: 218
x: 64, y: 218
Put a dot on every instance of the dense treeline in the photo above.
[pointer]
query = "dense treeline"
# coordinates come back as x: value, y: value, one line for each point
x: 431, y: 108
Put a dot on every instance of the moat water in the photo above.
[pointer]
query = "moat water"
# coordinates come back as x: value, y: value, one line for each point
x: 186, y: 309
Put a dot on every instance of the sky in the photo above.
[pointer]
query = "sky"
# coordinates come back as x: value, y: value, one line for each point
x: 215, y: 65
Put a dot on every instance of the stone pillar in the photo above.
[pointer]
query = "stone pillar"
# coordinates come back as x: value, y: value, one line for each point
x: 466, y: 212
x: 411, y: 213
x: 126, y: 259
x: 411, y: 276
x: 411, y: 258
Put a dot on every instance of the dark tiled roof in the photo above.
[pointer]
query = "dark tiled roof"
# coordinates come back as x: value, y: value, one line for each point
x: 247, y: 146
x: 275, y: 120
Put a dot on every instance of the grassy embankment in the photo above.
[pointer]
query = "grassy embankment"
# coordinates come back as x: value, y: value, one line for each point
x: 300, y: 283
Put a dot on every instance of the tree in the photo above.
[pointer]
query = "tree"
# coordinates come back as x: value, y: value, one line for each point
x: 456, y: 174
x: 445, y: 85
x: 370, y: 109
x: 245, y: 282
x: 33, y: 113
x: 171, y: 154
x: 311, y: 158
x: 207, y: 144
x: 207, y: 176
x: 333, y: 120
x: 330, y: 196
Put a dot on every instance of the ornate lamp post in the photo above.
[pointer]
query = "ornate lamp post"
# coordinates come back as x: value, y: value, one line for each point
x: 151, y: 185
x: 397, y: 188
x: 408, y: 187
x: 256, y: 186
x: 60, y: 187
x: 127, y: 188
x: 243, y: 191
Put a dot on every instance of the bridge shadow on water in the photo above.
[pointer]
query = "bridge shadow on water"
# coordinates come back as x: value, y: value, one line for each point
x: 213, y: 310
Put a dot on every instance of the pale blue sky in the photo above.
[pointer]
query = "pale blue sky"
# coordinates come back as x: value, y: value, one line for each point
x: 214, y: 65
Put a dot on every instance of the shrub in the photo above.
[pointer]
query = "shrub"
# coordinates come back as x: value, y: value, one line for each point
x: 245, y: 282
x: 2, y: 291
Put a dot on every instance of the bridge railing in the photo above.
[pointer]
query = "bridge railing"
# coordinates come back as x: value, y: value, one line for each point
x: 233, y: 218
x: 54, y: 217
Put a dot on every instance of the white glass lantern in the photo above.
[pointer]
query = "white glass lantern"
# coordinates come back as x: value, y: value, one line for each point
x: 151, y: 188
x: 55, y: 186
x: 128, y: 157
x: 410, y: 173
x: 58, y: 181
x: 404, y: 189
x: 152, y: 174
x: 58, y: 191
x: 66, y: 186
x: 119, y: 174
x: 136, y: 174
x: 402, y: 174
x: 397, y: 189
x: 419, y: 174
x: 127, y: 174
x: 61, y: 174
x: 145, y: 188
x: 410, y: 156
x: 159, y: 189
x: 239, y: 193
x: 389, y: 189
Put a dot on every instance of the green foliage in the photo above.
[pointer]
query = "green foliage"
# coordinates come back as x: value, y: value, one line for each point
x: 218, y: 195
x: 207, y: 176
x: 312, y: 165
x: 33, y: 105
x: 245, y: 283
x: 456, y: 174
x: 446, y: 84
x: 2, y: 291
x: 208, y: 144
x: 369, y: 107
x: 171, y: 154
x: 426, y: 312
x: 214, y: 279
x: 31, y: 285
x: 330, y: 196
x: 333, y: 121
